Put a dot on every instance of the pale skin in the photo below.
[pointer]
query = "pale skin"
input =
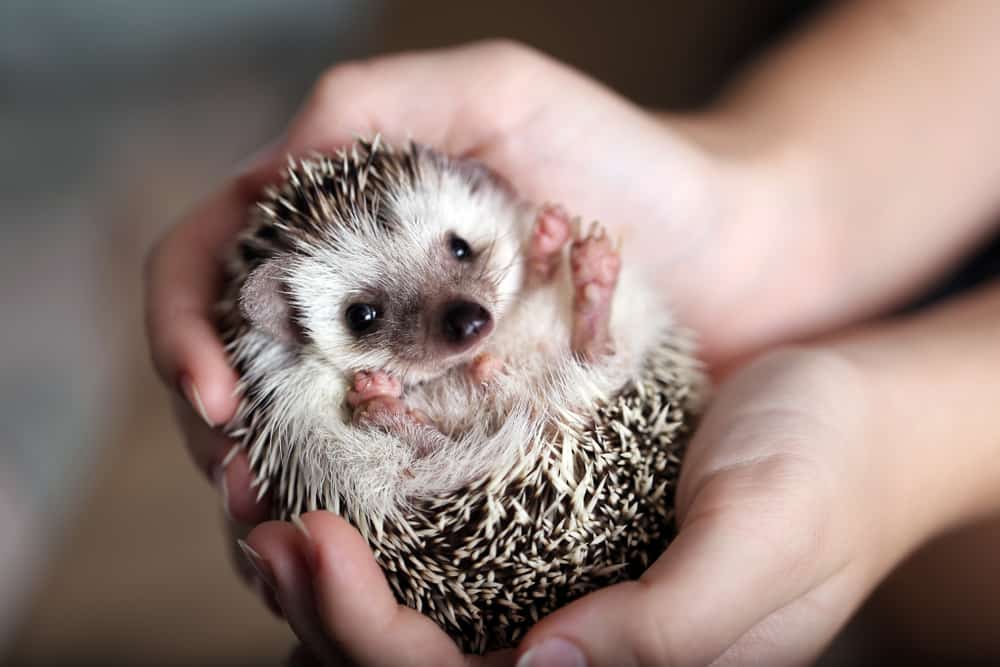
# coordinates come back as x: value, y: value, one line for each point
x: 836, y: 179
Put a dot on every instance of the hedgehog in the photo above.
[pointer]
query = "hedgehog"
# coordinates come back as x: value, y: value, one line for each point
x: 475, y: 382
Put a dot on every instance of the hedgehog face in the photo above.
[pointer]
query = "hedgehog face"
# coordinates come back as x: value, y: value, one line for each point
x: 414, y: 286
x: 425, y: 292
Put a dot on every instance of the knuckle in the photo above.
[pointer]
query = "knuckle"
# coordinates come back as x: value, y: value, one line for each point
x: 656, y: 636
x: 504, y: 47
x: 508, y: 55
x: 339, y: 80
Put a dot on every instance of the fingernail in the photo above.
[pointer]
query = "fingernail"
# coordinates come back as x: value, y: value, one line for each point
x: 259, y: 564
x: 223, y: 486
x: 194, y: 398
x: 553, y: 652
x: 268, y: 596
x: 298, y: 523
x: 310, y: 545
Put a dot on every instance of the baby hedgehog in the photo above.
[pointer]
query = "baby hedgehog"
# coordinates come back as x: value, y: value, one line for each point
x: 474, y: 382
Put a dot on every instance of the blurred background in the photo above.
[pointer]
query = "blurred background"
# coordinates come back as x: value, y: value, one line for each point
x: 115, y: 117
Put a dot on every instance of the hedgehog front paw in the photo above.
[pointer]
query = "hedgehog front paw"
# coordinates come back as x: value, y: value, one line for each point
x: 483, y: 367
x: 371, y: 384
x: 595, y: 263
x: 549, y: 237
x: 376, y: 399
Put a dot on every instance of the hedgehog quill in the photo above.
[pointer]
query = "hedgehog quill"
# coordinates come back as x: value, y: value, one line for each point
x: 478, y: 384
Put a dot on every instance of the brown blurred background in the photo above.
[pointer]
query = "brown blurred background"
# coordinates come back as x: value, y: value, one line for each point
x: 115, y: 116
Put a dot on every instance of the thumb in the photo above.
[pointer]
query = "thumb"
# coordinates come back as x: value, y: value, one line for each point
x: 357, y: 606
x: 746, y: 549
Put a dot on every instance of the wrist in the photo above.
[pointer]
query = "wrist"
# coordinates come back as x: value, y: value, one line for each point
x: 776, y: 251
x: 931, y: 385
x: 902, y: 504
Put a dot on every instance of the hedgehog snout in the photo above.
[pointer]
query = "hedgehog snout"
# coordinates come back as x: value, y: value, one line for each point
x: 464, y: 323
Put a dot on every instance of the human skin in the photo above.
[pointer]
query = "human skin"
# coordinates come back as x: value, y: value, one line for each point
x: 767, y: 218
x: 808, y: 481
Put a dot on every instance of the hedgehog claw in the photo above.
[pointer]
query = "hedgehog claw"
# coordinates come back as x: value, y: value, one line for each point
x: 595, y: 232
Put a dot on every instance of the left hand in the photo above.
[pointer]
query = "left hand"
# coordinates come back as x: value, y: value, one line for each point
x: 698, y: 215
x: 787, y: 516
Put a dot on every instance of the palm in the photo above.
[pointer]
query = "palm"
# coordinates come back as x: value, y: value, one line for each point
x: 766, y: 565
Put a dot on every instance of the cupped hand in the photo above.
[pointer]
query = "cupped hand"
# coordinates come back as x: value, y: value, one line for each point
x: 788, y: 513
x: 554, y: 134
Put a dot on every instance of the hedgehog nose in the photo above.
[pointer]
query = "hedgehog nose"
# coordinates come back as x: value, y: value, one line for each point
x: 466, y: 322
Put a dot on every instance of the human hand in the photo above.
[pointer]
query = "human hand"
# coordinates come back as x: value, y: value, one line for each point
x: 554, y: 134
x: 790, y: 510
x: 813, y: 473
x: 787, y: 519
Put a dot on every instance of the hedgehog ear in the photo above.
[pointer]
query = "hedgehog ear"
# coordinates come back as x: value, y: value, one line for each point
x: 264, y: 303
x: 477, y: 174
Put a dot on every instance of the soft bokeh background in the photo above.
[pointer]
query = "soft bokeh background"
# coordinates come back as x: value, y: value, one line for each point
x: 115, y: 116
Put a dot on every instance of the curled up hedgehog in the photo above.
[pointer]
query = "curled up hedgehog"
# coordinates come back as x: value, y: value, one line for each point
x: 474, y: 382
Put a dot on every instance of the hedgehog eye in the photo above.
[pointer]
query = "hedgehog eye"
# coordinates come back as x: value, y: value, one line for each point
x: 362, y: 316
x: 460, y: 248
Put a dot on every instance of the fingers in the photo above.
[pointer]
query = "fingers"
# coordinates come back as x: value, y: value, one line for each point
x: 799, y: 632
x: 762, y: 506
x: 224, y: 464
x: 338, y: 601
x: 272, y: 550
x: 730, y: 567
x: 357, y: 606
x: 458, y: 100
x: 184, y: 273
x: 688, y: 616
x: 183, y: 282
x: 240, y: 498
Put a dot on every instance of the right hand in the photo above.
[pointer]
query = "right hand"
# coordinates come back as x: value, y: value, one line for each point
x: 792, y: 506
x: 556, y: 136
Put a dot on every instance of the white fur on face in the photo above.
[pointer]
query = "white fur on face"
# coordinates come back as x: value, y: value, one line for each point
x: 367, y: 261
